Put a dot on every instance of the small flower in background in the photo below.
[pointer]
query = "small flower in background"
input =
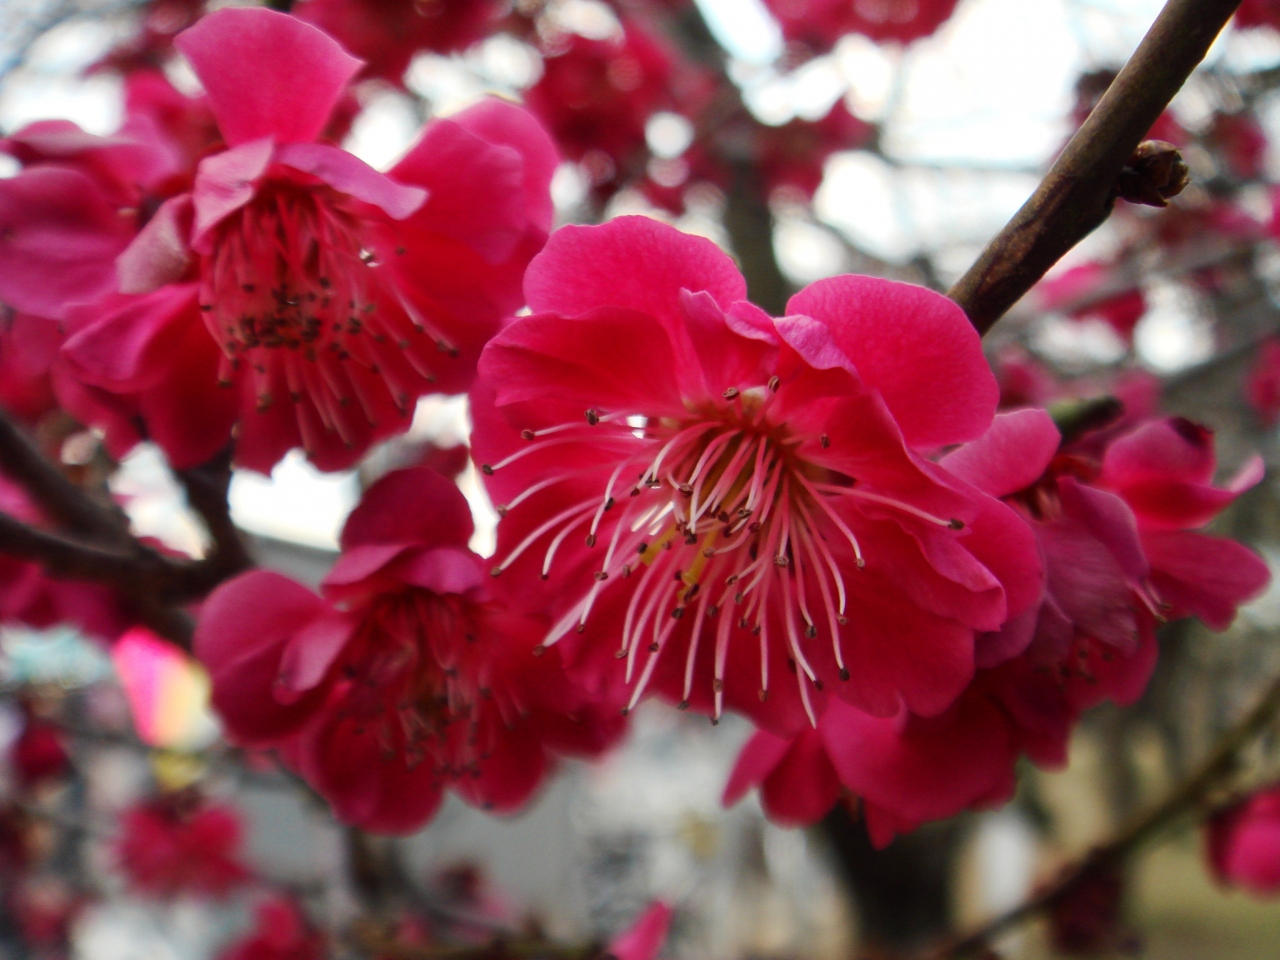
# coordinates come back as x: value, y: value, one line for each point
x: 820, y: 23
x: 1094, y: 290
x: 181, y: 844
x: 1258, y: 13
x: 281, y: 932
x: 1243, y: 843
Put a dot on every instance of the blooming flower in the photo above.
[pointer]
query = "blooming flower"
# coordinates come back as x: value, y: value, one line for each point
x: 180, y: 844
x: 408, y: 680
x: 743, y: 496
x: 1243, y: 843
x: 820, y: 23
x: 334, y: 294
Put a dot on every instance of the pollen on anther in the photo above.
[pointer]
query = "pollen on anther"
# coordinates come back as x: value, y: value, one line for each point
x: 495, y: 571
x: 730, y: 393
x: 526, y: 434
x: 593, y: 417
x: 601, y: 575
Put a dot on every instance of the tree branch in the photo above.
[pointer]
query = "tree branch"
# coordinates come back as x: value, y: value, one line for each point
x: 1186, y: 796
x: 206, y: 487
x: 66, y: 504
x: 1077, y: 194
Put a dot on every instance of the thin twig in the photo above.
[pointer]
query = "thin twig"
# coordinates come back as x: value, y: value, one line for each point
x: 1077, y: 194
x: 207, y: 487
x: 1185, y: 797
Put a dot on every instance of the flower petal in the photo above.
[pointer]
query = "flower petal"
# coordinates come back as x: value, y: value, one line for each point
x: 632, y: 262
x: 59, y: 238
x: 349, y: 174
x: 1010, y: 456
x: 913, y: 345
x: 267, y: 74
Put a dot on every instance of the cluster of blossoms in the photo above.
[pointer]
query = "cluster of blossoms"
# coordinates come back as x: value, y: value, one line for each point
x: 818, y: 521
x: 750, y: 517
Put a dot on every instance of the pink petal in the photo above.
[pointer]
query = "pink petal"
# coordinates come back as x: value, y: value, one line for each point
x: 726, y: 357
x: 1209, y: 577
x: 1087, y: 583
x: 610, y: 358
x: 631, y: 262
x: 59, y: 238
x: 904, y: 654
x: 187, y: 412
x: 159, y: 254
x: 129, y: 342
x: 349, y: 174
x: 343, y: 760
x: 1169, y: 449
x: 225, y: 182
x: 920, y: 770
x: 311, y: 652
x: 804, y: 787
x: 514, y: 768
x: 758, y: 758
x: 476, y: 188
x: 267, y: 74
x: 913, y: 345
x: 243, y: 629
x: 645, y: 937
x: 1010, y: 456
x: 505, y: 124
x: 1109, y: 519
x: 415, y: 506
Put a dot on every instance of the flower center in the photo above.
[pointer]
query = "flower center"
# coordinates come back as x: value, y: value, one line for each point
x: 295, y: 290
x: 404, y: 678
x: 719, y: 518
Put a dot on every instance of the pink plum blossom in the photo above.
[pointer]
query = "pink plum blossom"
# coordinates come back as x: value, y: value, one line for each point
x: 406, y: 679
x: 737, y: 506
x: 181, y: 844
x: 332, y: 295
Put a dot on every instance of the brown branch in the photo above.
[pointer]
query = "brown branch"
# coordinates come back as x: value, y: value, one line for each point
x: 1077, y: 194
x: 66, y: 504
x: 1183, y: 798
x: 206, y: 487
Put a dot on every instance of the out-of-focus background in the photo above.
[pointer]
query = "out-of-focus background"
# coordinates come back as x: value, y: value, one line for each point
x: 965, y: 121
